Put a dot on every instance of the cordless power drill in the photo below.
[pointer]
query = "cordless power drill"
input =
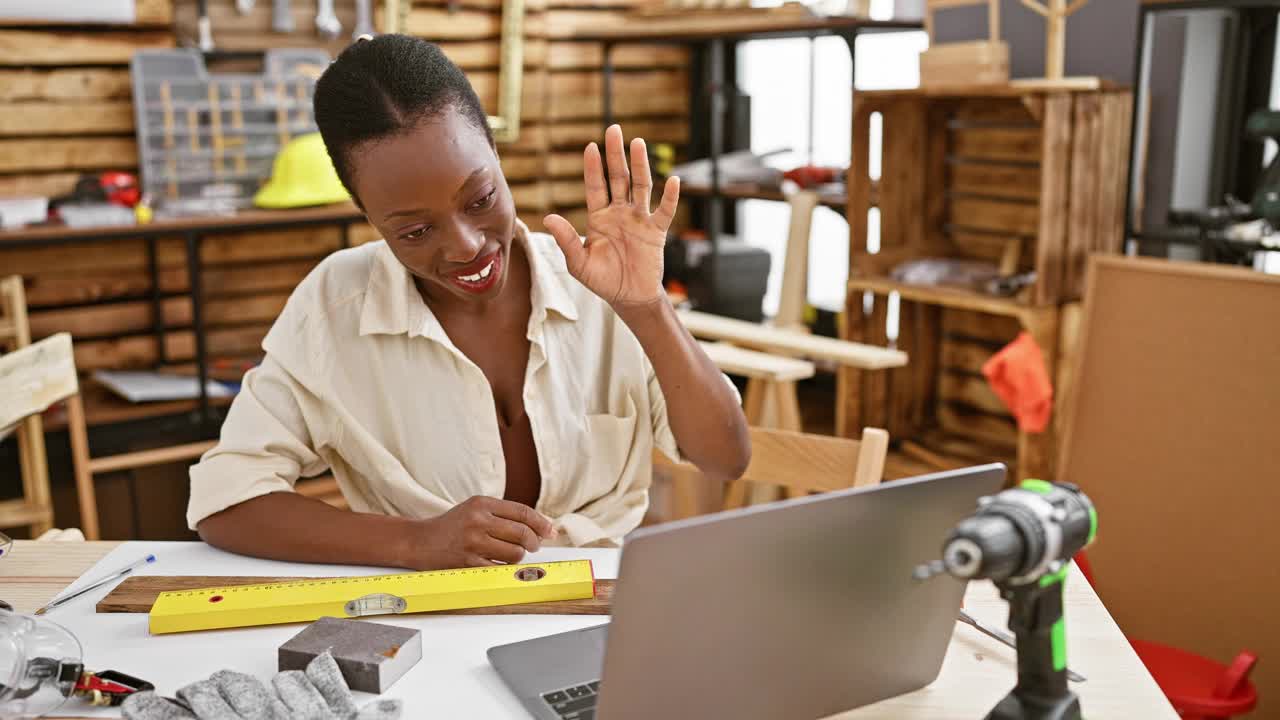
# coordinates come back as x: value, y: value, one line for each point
x: 1022, y: 539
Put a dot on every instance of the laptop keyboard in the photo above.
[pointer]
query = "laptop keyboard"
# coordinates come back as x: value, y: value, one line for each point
x: 575, y: 703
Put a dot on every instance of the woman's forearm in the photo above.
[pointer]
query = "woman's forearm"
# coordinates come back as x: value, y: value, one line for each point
x: 703, y: 410
x: 295, y: 528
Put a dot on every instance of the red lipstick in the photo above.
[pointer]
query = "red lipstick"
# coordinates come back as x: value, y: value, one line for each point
x: 480, y: 275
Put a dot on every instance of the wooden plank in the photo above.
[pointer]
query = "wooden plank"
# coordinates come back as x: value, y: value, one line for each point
x: 147, y: 458
x: 517, y: 167
x: 532, y: 197
x: 562, y: 55
x: 532, y: 139
x: 565, y: 164
x: 138, y: 593
x: 645, y: 93
x: 71, y: 84
x: 531, y: 6
x: 93, y: 285
x: 1050, y: 251
x: 939, y: 172
x: 1117, y: 116
x: 815, y: 347
x: 901, y: 387
x: 1067, y: 376
x: 36, y: 376
x: 1019, y: 182
x: 260, y: 245
x: 653, y: 130
x: 990, y: 111
x: 999, y: 216
x: 995, y: 430
x: 949, y: 297
x: 31, y: 47
x: 567, y: 192
x: 567, y: 23
x: 486, y: 54
x: 875, y: 385
x: 902, y: 178
x: 973, y: 450
x: 995, y: 330
x: 438, y: 23
x: 969, y: 357
x: 753, y: 364
x: 1086, y: 182
x: 38, y: 185
x: 107, y: 153
x: 533, y: 93
x: 139, y: 351
x: 577, y: 216
x: 227, y: 21
x: 985, y: 246
x: 135, y: 317
x: 970, y: 390
x: 992, y: 144
x: 66, y: 118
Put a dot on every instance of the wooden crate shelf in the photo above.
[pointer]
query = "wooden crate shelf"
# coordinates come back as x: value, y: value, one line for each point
x: 1026, y: 177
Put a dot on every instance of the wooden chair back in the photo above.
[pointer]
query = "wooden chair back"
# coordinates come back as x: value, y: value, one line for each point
x: 799, y: 463
x: 32, y: 378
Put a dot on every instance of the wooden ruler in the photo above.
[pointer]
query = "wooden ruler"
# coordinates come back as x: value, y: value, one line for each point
x: 269, y: 602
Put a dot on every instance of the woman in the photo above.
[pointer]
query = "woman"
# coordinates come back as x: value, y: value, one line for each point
x: 476, y: 388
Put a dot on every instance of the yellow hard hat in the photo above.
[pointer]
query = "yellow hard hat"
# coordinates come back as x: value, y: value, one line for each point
x: 302, y: 175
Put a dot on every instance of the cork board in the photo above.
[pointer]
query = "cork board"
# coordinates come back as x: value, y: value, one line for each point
x: 1175, y: 435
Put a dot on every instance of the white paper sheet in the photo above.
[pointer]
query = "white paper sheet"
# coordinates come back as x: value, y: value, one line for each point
x: 139, y: 386
x: 453, y: 679
x: 88, y: 11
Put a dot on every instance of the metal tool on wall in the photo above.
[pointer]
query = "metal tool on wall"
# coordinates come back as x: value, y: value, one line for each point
x: 364, y: 19
x: 327, y: 23
x: 204, y: 28
x: 281, y: 16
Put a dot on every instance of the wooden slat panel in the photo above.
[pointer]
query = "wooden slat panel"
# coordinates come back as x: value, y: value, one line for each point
x: 532, y: 139
x: 140, y: 350
x: 967, y: 356
x: 998, y: 431
x: 1015, y: 218
x: 660, y: 92
x: 63, y: 118
x: 519, y: 167
x: 990, y: 111
x: 531, y: 196
x: 995, y: 329
x: 567, y: 23
x: 1009, y: 144
x: 40, y: 184
x: 902, y: 189
x: 108, y: 153
x: 995, y: 180
x: 1117, y: 112
x: 486, y: 54
x: 135, y: 317
x: 146, y: 12
x: 988, y: 247
x: 563, y: 55
x: 145, y: 458
x: 971, y: 391
x: 27, y: 47
x: 1050, y: 250
x: 577, y: 216
x: 73, y: 84
x: 246, y: 246
x: 530, y: 6
x: 578, y: 134
x: 565, y: 164
x: 82, y: 286
x: 533, y: 93
x: 440, y: 24
x: 567, y: 192
x: 1086, y: 185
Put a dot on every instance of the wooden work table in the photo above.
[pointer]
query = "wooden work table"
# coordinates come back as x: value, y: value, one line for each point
x: 975, y: 674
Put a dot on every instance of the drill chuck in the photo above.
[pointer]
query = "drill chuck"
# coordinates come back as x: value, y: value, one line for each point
x: 1021, y: 534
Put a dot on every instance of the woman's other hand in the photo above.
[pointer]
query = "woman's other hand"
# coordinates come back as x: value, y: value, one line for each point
x: 621, y: 260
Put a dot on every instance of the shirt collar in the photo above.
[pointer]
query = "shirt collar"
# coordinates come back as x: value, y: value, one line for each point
x: 393, y: 305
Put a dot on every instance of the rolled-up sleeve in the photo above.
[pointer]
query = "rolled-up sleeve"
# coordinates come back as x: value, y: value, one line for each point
x: 268, y: 441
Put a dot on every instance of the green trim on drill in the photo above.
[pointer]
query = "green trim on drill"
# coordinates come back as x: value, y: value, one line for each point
x: 1052, y: 578
x: 1093, y: 525
x: 1059, y: 641
x: 1037, y: 486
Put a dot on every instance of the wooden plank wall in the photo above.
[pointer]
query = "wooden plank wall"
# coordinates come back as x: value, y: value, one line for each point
x: 65, y: 109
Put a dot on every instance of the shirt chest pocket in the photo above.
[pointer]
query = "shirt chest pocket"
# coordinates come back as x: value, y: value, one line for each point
x: 606, y: 454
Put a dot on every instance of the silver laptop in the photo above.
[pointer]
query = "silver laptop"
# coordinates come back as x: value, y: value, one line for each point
x: 797, y: 609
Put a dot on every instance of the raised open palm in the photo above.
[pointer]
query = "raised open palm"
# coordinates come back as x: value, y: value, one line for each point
x: 621, y: 260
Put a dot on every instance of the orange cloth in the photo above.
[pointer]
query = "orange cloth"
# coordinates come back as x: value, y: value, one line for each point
x: 1018, y: 375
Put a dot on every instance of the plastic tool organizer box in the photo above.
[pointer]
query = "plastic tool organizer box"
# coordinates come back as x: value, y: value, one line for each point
x: 207, y: 141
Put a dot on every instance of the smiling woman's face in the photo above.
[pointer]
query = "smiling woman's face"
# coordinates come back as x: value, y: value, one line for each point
x: 438, y: 196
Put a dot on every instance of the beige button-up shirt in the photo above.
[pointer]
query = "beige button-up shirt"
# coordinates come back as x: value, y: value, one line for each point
x: 360, y: 378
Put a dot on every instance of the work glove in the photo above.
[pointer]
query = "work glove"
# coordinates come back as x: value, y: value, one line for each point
x: 319, y: 693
